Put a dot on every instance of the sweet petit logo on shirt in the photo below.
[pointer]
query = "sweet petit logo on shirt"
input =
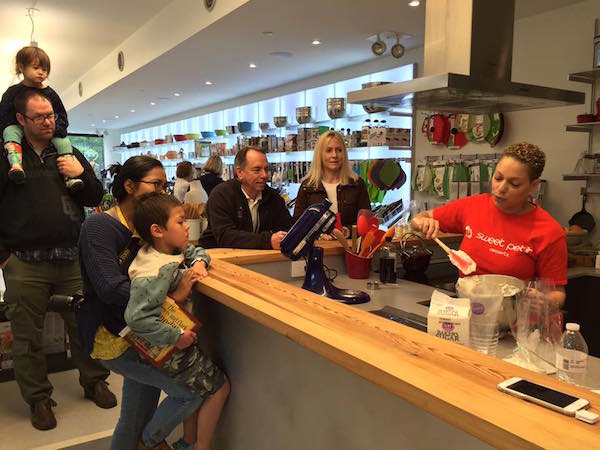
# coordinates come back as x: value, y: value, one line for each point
x: 498, y: 245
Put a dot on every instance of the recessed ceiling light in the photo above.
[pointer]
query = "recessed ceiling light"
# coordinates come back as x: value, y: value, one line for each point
x: 176, y: 94
x: 116, y: 116
x: 267, y: 33
x: 414, y: 3
x: 316, y: 42
x: 208, y: 83
x: 92, y: 124
x: 103, y: 120
x: 252, y: 65
x: 152, y: 103
x: 132, y: 110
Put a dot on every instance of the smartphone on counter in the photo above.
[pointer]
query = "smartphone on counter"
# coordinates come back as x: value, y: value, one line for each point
x: 542, y: 395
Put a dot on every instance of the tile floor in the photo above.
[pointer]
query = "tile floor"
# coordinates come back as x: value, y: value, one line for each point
x: 81, y: 424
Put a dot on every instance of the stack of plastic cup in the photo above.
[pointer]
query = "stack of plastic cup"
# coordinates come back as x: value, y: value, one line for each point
x: 486, y: 300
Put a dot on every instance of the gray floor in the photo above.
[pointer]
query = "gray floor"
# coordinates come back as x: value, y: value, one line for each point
x: 81, y: 424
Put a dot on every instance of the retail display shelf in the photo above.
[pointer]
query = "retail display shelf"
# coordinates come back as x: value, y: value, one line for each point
x: 587, y: 76
x: 575, y: 177
x: 583, y: 127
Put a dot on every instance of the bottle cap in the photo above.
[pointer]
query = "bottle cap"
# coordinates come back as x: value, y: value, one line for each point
x: 572, y: 326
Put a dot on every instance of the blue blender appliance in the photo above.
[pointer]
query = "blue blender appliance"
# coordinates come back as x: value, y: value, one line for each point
x: 299, y: 242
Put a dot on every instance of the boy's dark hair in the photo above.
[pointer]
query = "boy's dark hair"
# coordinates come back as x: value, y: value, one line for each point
x: 152, y: 208
x: 29, y: 55
x: 184, y: 169
x: 135, y: 168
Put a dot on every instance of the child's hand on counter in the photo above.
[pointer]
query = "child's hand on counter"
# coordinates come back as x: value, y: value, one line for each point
x: 199, y: 268
x: 183, y: 290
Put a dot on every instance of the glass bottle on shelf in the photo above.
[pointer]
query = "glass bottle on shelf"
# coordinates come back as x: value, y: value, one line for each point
x: 366, y: 126
x: 376, y: 124
x: 384, y: 124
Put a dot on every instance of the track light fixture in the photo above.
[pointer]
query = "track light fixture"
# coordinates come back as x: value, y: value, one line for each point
x: 378, y: 47
x: 397, y: 50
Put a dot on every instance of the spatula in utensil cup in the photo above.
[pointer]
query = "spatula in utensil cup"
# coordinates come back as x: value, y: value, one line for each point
x: 458, y: 258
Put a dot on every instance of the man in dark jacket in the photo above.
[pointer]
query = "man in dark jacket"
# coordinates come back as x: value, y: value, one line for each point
x: 245, y: 212
x: 38, y: 254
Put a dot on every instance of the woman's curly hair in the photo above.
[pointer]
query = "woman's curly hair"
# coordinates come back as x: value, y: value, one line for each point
x: 530, y: 155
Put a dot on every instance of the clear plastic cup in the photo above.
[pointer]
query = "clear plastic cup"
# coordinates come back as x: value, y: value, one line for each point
x: 484, y: 335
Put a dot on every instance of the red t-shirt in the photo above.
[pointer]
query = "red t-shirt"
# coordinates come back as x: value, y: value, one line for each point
x: 527, y: 246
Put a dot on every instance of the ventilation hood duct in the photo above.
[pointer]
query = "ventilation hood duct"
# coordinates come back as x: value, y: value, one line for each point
x: 467, y: 65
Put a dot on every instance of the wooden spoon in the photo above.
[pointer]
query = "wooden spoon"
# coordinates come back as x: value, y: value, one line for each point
x: 340, y: 237
x: 387, y: 234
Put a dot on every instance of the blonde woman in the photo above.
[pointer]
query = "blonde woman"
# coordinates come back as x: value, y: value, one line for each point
x: 331, y: 177
x: 213, y: 169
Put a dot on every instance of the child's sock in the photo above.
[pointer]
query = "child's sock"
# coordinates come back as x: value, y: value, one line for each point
x: 182, y: 445
x: 16, y: 174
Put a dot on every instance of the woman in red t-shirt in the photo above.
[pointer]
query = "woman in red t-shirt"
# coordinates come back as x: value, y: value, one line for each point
x: 504, y: 232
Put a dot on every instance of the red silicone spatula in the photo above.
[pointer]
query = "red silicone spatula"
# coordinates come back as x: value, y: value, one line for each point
x: 464, y: 262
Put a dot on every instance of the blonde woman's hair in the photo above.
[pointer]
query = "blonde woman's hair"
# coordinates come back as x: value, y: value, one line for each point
x: 315, y: 174
x: 214, y: 164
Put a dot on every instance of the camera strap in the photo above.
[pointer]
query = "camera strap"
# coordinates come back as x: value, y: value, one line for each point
x: 134, y: 242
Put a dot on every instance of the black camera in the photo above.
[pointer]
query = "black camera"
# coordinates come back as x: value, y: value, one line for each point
x: 65, y: 303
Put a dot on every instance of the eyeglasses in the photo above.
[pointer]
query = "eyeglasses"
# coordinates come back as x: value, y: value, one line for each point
x: 38, y: 120
x: 159, y: 186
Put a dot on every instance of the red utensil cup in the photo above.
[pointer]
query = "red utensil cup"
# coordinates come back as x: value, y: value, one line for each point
x: 358, y: 267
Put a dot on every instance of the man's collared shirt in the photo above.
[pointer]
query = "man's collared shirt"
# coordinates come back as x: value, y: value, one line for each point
x: 253, y: 207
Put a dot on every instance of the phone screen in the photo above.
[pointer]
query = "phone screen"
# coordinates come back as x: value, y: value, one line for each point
x: 543, y: 393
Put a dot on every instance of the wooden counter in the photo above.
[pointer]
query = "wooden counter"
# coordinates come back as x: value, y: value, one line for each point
x: 449, y: 381
x: 244, y: 256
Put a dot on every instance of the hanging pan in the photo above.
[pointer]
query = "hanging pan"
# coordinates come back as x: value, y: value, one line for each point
x: 583, y: 218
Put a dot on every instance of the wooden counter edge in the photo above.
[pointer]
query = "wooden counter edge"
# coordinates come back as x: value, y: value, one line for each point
x: 241, y: 256
x: 449, y: 381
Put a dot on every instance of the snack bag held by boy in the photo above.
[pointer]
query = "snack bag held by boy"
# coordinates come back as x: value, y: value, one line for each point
x: 34, y: 64
x: 157, y: 277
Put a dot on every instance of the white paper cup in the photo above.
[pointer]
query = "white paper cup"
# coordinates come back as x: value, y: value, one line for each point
x: 195, y: 228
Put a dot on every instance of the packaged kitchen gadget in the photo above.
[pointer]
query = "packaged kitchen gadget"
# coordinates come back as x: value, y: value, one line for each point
x: 449, y: 318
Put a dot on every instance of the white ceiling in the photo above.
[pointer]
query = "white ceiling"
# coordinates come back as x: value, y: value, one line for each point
x: 79, y: 33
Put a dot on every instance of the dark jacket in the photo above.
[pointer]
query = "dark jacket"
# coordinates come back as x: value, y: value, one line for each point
x: 209, y: 181
x: 8, y: 114
x: 41, y: 213
x: 230, y: 223
x: 351, y: 197
x: 106, y: 282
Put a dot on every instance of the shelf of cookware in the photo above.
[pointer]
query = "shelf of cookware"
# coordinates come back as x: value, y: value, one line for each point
x: 587, y: 76
x: 574, y: 177
x: 354, y: 153
x: 585, y: 127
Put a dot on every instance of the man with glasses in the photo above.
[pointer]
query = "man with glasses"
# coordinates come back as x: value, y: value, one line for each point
x: 245, y: 212
x: 38, y: 254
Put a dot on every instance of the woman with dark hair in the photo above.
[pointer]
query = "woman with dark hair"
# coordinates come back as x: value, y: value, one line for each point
x: 505, y: 233
x: 213, y: 169
x: 108, y: 244
x: 184, y: 175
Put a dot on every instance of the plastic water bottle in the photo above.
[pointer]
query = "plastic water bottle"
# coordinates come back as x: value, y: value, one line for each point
x: 571, y: 355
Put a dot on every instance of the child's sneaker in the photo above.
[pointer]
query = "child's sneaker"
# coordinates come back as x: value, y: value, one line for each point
x: 16, y: 174
x: 182, y: 445
x: 74, y: 184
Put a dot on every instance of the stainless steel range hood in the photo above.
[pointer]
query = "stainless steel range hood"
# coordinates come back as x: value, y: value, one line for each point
x: 467, y: 65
